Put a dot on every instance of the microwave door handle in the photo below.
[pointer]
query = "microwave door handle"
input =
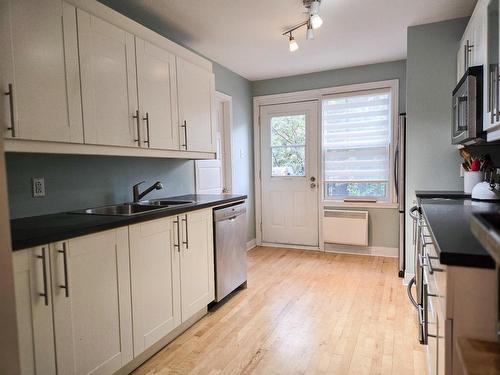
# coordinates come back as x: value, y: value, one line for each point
x: 497, y: 97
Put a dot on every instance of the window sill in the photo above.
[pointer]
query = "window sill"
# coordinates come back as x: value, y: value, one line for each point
x: 334, y: 204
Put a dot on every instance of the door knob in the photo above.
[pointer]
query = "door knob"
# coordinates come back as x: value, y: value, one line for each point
x: 313, y: 185
x: 313, y: 179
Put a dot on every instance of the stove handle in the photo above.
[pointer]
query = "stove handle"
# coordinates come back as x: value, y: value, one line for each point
x: 410, y: 295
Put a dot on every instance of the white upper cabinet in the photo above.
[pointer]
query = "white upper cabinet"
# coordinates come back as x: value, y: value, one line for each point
x: 154, y: 273
x: 34, y: 311
x: 471, y: 49
x: 92, y: 314
x: 491, y: 118
x: 157, y: 96
x: 108, y: 79
x: 197, y: 258
x: 39, y: 71
x: 196, y: 102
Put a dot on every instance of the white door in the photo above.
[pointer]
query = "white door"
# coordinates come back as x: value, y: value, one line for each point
x: 34, y: 311
x: 109, y: 92
x: 39, y: 60
x: 289, y: 173
x: 92, y: 312
x: 195, y: 96
x: 197, y: 262
x: 210, y: 178
x: 154, y: 269
x: 157, y: 96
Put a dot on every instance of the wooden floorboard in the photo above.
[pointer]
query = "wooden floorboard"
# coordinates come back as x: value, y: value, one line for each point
x: 303, y: 312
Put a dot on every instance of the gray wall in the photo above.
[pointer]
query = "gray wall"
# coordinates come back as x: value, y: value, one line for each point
x: 383, y: 223
x: 432, y: 163
x: 73, y: 181
x: 337, y: 77
x: 82, y: 181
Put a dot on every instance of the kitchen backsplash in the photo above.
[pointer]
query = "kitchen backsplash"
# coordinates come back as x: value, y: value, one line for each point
x: 76, y: 181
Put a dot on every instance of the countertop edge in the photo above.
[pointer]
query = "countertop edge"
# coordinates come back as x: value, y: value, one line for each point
x: 22, y: 244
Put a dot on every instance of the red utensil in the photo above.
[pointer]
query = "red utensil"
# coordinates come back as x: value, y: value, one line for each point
x: 475, y: 165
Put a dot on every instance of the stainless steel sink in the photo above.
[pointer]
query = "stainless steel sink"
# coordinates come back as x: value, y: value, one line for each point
x: 125, y: 209
x: 165, y: 203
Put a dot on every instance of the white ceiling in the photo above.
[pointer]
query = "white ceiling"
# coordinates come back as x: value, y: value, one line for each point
x: 245, y: 35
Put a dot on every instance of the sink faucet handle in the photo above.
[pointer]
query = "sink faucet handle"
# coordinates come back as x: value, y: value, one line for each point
x: 139, y: 183
x: 135, y: 191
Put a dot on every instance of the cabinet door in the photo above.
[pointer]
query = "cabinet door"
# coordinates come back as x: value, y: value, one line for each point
x: 157, y: 96
x: 92, y: 312
x: 197, y: 262
x: 34, y: 311
x: 491, y: 117
x: 109, y: 93
x: 39, y: 61
x: 196, y: 102
x: 154, y: 267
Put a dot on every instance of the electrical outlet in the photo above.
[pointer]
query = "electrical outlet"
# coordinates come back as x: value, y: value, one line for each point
x: 38, y: 187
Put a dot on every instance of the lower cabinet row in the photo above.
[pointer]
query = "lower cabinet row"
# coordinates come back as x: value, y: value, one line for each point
x: 91, y: 304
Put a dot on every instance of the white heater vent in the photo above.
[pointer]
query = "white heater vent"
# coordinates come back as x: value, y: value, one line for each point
x: 345, y: 227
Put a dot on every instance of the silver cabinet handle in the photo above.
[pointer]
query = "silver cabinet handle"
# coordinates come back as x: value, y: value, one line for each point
x: 497, y: 96
x: 429, y: 265
x: 10, y: 94
x: 490, y: 94
x: 177, y: 245
x: 466, y: 52
x: 147, y: 128
x: 185, y: 220
x: 45, y: 293
x: 138, y: 125
x: 184, y: 125
x: 64, y: 252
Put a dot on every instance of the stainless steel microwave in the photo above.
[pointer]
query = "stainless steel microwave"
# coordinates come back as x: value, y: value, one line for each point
x: 467, y: 108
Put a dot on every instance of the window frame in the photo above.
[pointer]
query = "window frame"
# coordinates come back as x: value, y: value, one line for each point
x: 360, y: 89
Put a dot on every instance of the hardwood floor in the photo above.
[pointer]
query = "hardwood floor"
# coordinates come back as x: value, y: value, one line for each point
x: 304, y: 313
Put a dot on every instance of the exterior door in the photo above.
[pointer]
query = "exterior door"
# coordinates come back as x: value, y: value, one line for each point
x: 91, y: 292
x: 289, y: 173
x: 109, y: 91
x: 154, y: 270
x: 157, y: 97
x: 210, y: 173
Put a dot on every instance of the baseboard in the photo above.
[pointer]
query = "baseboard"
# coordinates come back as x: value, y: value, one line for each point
x: 380, y: 251
x: 288, y: 246
x: 407, y: 278
x: 251, y: 244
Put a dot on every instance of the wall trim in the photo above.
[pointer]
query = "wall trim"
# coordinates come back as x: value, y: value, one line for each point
x: 380, y: 251
x: 251, y: 244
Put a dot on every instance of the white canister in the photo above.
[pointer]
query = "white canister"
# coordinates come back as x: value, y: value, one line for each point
x: 471, y: 179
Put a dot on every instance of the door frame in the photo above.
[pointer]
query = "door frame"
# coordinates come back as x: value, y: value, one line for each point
x: 301, y: 96
x: 262, y: 101
x: 227, y: 129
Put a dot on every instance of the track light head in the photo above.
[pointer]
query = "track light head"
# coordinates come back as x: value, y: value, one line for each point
x: 292, y: 43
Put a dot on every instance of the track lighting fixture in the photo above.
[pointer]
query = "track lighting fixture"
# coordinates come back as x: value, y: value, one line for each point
x: 313, y: 22
x: 292, y: 43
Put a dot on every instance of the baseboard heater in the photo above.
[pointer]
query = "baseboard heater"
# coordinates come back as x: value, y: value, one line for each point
x: 345, y: 227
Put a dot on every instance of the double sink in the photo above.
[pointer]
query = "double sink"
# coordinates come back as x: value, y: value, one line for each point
x: 131, y: 209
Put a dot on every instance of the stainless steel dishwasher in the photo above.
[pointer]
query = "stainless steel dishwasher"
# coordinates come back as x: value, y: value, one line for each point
x: 230, y: 249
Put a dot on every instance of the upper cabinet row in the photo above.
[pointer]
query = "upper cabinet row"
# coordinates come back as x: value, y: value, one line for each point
x: 480, y: 46
x: 71, y: 76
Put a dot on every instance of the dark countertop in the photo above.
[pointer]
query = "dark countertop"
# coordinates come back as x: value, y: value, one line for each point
x: 40, y: 230
x: 449, y: 224
x: 441, y: 194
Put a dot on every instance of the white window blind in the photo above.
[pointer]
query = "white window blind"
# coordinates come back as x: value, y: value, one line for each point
x: 356, y: 145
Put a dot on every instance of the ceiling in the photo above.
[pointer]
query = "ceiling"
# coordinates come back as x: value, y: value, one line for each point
x: 245, y: 35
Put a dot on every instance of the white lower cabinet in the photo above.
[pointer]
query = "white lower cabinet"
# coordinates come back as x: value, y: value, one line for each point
x: 91, y: 304
x: 197, y: 266
x: 154, y: 272
x: 92, y: 315
x: 34, y: 311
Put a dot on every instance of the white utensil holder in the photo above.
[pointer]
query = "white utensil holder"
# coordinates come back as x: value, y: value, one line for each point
x: 471, y: 179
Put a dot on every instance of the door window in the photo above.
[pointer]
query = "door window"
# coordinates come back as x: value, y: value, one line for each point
x: 288, y: 145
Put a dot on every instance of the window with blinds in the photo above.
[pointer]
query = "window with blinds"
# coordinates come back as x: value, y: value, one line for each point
x: 356, y: 145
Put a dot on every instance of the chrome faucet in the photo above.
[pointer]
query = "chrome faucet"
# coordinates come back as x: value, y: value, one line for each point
x: 138, y: 196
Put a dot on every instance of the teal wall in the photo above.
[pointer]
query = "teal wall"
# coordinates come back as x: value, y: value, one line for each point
x: 383, y: 222
x: 81, y: 181
x: 432, y: 162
